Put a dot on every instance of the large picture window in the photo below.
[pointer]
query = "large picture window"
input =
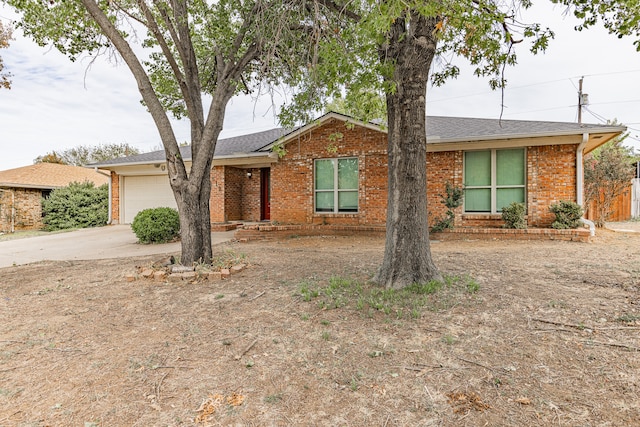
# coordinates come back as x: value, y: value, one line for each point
x: 336, y: 185
x: 493, y: 179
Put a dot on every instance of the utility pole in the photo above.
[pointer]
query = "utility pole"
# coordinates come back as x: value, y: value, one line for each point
x: 583, y: 99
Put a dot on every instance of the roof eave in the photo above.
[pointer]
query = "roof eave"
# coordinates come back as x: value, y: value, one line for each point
x: 599, y: 130
x: 4, y: 185
x: 245, y: 159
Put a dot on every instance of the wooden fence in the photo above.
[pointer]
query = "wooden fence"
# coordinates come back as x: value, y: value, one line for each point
x: 635, y: 198
x: 621, y: 208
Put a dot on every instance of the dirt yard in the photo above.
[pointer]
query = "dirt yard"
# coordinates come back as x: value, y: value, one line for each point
x: 526, y: 333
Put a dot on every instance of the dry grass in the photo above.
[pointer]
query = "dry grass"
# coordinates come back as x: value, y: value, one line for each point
x: 540, y: 333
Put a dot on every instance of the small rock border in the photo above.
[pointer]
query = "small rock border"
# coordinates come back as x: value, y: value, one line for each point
x: 166, y: 270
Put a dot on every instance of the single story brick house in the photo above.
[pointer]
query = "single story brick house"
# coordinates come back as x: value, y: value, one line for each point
x: 22, y: 190
x: 334, y: 171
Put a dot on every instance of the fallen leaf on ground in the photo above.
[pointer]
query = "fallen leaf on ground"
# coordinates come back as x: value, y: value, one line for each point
x: 464, y: 402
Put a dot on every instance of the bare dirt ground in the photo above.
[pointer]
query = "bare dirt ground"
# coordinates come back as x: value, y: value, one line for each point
x: 551, y: 337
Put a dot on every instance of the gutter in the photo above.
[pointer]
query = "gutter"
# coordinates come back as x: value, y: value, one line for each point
x: 580, y: 181
x: 109, y: 219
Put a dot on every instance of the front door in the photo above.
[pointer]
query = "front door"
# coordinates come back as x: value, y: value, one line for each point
x: 265, y: 194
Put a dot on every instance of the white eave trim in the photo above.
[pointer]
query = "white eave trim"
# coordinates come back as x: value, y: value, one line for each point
x: 9, y: 185
x: 573, y: 132
x: 245, y: 159
x: 229, y: 159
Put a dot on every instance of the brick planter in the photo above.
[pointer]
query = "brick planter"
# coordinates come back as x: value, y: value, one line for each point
x: 259, y: 232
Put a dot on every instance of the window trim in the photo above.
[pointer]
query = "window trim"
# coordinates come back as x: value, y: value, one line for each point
x: 336, y: 191
x: 493, y: 186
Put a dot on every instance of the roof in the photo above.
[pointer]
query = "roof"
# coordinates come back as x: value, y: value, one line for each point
x: 236, y: 145
x: 442, y: 129
x: 452, y: 129
x: 439, y: 130
x: 49, y: 176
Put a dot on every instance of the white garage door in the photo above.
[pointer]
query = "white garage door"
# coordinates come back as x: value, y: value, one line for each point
x: 143, y: 192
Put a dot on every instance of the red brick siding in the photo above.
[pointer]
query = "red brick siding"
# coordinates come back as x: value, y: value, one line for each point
x: 233, y: 193
x: 216, y: 200
x: 251, y: 195
x: 234, y: 196
x: 292, y: 177
x: 377, y: 180
x: 551, y: 177
x: 115, y: 198
x: 442, y: 167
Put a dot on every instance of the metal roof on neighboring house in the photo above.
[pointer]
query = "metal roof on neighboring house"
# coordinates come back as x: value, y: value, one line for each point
x: 439, y: 129
x: 49, y: 176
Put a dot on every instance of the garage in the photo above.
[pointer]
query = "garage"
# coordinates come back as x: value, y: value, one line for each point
x: 144, y: 192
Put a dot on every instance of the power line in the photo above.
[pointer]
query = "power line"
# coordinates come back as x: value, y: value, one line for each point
x: 539, y: 110
x: 536, y: 84
x: 631, y: 101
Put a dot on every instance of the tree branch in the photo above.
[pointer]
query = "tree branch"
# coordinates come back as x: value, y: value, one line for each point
x: 342, y: 10
x: 144, y: 84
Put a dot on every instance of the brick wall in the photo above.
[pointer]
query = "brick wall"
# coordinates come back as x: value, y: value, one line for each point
x: 442, y: 167
x: 115, y: 198
x: 551, y: 177
x: 216, y: 200
x: 292, y: 177
x: 28, y: 209
x: 233, y: 193
x: 251, y: 195
x: 234, y: 196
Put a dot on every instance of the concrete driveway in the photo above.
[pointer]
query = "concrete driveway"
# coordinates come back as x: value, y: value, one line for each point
x: 112, y: 241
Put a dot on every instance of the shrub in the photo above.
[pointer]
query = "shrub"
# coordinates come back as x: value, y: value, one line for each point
x: 453, y: 199
x: 608, y: 171
x: 79, y: 205
x: 513, y: 215
x: 568, y: 214
x: 156, y: 225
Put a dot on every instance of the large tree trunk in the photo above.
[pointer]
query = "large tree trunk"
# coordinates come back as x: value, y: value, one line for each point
x: 193, y: 194
x: 195, y: 226
x: 407, y: 256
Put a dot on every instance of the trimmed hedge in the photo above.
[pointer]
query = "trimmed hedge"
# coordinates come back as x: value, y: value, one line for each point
x: 156, y: 225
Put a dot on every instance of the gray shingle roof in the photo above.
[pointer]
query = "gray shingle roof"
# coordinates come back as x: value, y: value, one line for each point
x: 439, y: 129
x: 225, y: 147
x: 470, y: 129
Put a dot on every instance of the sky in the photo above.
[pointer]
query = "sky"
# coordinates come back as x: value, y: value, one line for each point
x: 56, y: 104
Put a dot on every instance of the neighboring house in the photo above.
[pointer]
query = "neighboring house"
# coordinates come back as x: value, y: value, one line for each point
x: 22, y: 190
x: 335, y: 172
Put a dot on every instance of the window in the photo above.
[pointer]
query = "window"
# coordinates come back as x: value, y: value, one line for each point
x: 336, y: 185
x: 493, y: 179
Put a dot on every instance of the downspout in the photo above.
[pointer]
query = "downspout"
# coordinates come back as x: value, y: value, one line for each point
x: 580, y: 181
x: 109, y: 219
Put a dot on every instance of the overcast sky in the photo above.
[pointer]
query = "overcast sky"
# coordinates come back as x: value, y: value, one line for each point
x: 56, y: 104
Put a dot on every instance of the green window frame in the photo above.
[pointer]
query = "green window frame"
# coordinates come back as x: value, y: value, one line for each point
x: 494, y: 179
x: 335, y: 183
